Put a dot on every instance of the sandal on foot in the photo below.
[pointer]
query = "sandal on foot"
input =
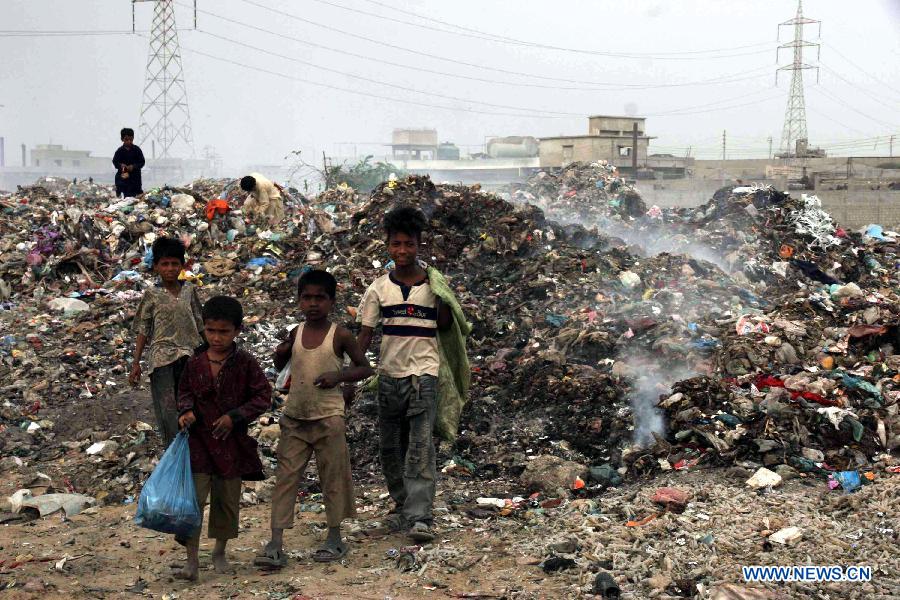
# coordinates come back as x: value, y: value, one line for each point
x: 183, y: 576
x: 270, y: 559
x: 326, y: 555
x: 393, y: 522
x: 420, y: 532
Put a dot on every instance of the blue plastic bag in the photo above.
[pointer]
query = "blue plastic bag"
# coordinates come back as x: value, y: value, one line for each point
x: 168, y: 502
x: 849, y: 480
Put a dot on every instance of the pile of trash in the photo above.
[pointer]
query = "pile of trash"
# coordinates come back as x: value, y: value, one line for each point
x: 581, y: 193
x: 751, y: 329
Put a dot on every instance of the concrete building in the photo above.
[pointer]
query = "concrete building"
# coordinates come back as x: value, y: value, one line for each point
x: 55, y: 156
x: 612, y: 138
x: 493, y: 171
x: 609, y: 138
x: 414, y: 144
x: 57, y: 161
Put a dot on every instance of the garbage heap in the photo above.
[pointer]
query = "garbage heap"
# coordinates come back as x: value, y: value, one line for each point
x: 581, y: 193
x: 572, y: 332
x: 770, y: 338
x: 811, y: 379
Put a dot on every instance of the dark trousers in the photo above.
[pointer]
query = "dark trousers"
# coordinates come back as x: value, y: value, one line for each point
x: 406, y: 413
x: 164, y: 390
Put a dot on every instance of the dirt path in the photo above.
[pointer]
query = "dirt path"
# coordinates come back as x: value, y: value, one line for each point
x: 494, y: 557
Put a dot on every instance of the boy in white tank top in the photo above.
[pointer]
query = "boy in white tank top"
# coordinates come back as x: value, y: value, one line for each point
x: 313, y: 419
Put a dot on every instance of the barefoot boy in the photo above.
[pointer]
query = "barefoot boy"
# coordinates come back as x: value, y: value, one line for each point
x: 313, y: 419
x: 222, y: 391
x: 168, y: 317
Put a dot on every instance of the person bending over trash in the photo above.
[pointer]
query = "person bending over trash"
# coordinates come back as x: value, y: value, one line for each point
x: 264, y: 203
x: 128, y: 161
x: 222, y: 391
x: 313, y: 419
x: 168, y: 317
x: 409, y: 361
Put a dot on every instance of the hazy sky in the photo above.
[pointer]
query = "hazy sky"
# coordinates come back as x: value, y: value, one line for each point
x: 79, y: 90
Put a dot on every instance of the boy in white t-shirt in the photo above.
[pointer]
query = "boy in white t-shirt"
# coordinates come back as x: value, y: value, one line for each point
x: 410, y: 315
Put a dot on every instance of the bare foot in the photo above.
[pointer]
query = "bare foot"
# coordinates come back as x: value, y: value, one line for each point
x: 221, y: 564
x: 188, y: 573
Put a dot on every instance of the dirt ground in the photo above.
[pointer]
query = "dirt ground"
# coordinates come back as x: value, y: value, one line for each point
x: 480, y: 555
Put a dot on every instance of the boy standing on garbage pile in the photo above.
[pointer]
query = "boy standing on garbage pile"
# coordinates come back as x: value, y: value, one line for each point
x: 128, y: 160
x: 411, y: 314
x: 264, y: 203
x: 222, y: 391
x: 313, y: 419
x: 169, y: 318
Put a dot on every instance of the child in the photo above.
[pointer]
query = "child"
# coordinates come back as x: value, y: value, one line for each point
x: 128, y: 160
x: 313, y: 419
x: 409, y: 360
x: 169, y: 318
x: 264, y: 202
x: 222, y: 391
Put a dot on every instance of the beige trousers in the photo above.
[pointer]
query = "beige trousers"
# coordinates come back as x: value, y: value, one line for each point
x: 299, y: 440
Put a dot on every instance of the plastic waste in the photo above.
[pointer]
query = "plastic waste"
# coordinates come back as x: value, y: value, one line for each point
x: 629, y: 279
x: 168, y: 501
x: 764, y: 478
x: 786, y: 536
x: 283, y: 381
x: 47, y: 504
x: 182, y: 202
x: 849, y: 480
x: 69, y: 306
x: 262, y: 261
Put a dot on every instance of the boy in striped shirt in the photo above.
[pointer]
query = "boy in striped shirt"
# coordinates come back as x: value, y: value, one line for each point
x: 410, y: 315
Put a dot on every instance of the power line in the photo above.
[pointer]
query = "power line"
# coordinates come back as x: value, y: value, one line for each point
x: 835, y: 121
x: 675, y: 112
x: 689, y: 110
x: 680, y: 111
x: 474, y: 33
x: 861, y: 70
x: 510, y: 39
x: 418, y: 69
x: 63, y: 33
x: 856, y: 87
x: 849, y: 106
x: 399, y: 87
x: 417, y: 53
x: 359, y: 93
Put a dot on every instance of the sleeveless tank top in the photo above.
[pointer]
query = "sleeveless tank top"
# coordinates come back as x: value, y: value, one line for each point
x: 305, y: 400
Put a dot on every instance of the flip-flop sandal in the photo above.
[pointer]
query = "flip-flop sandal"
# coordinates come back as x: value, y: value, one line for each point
x: 327, y: 555
x: 420, y: 533
x: 393, y: 522
x: 270, y: 559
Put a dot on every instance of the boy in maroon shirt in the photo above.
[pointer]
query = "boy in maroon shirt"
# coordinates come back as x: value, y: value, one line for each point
x: 222, y: 390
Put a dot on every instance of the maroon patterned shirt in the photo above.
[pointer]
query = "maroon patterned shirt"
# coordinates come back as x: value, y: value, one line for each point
x: 240, y: 391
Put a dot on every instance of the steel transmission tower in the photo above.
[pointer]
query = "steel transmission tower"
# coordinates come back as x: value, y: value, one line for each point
x: 795, y: 115
x: 165, y: 119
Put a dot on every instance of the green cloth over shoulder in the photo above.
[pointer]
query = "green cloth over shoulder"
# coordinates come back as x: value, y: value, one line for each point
x: 454, y: 375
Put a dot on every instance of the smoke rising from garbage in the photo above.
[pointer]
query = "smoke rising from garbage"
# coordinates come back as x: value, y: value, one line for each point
x: 652, y: 243
x: 651, y: 379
